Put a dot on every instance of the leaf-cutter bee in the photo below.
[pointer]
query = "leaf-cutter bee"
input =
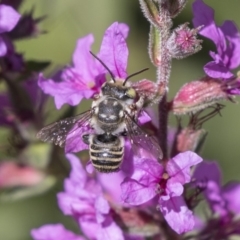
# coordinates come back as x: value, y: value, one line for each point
x: 113, y: 115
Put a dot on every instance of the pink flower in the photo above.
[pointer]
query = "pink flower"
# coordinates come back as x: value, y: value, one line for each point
x: 15, y: 175
x: 225, y: 37
x: 83, y: 200
x: 150, y: 179
x: 8, y: 20
x: 222, y: 200
x: 54, y: 232
x: 86, y: 77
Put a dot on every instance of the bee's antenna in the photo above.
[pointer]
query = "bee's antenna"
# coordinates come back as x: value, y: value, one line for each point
x: 136, y: 73
x: 104, y: 66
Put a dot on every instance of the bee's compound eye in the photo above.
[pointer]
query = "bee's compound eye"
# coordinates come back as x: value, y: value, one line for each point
x: 131, y: 93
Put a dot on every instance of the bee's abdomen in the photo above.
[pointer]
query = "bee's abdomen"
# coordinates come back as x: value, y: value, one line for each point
x: 106, y: 157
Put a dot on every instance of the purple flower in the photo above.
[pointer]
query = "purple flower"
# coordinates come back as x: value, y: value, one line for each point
x: 222, y: 200
x: 150, y: 179
x: 86, y: 77
x: 226, y: 38
x: 8, y: 20
x: 82, y: 198
x: 54, y: 232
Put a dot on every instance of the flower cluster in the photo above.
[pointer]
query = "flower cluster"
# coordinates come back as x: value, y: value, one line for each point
x: 220, y: 82
x: 21, y: 109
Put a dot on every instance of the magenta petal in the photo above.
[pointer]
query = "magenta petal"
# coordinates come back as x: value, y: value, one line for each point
x: 63, y: 92
x: 78, y: 174
x: 111, y: 184
x: 135, y: 193
x: 208, y: 176
x: 102, y: 208
x: 232, y: 35
x: 147, y: 171
x: 144, y: 117
x: 74, y: 142
x: 89, y: 227
x: 54, y: 232
x: 114, y: 51
x: 179, y: 167
x: 173, y: 189
x: 207, y: 171
x: 231, y: 193
x: 177, y: 214
x: 84, y: 62
x: 65, y: 201
x: 9, y: 18
x: 217, y: 70
x: 204, y: 15
x: 110, y: 231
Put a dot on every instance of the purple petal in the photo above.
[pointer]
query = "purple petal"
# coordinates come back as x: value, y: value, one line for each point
x: 114, y: 51
x: 102, y: 208
x: 143, y: 118
x: 179, y: 167
x: 176, y: 213
x: 89, y: 227
x: 231, y: 193
x: 173, y: 189
x: 110, y: 231
x: 3, y: 47
x: 78, y: 174
x: 65, y: 202
x: 208, y: 176
x: 54, y: 232
x: 85, y: 64
x: 204, y: 15
x: 9, y: 18
x: 74, y: 141
x: 207, y: 171
x: 232, y: 35
x: 217, y: 70
x: 147, y: 171
x: 61, y: 91
x: 135, y: 193
x: 111, y: 184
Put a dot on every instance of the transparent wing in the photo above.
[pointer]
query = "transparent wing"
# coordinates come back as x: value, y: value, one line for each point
x: 57, y: 132
x: 140, y: 140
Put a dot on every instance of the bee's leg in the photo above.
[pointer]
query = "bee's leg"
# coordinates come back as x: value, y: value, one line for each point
x: 85, y: 138
x: 139, y: 106
x: 139, y: 103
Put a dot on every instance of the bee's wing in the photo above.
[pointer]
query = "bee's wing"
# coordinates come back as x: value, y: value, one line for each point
x: 141, y: 140
x: 57, y: 132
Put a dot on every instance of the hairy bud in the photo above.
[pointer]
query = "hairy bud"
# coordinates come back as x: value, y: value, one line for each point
x: 183, y: 42
x: 27, y: 26
x: 191, y: 140
x: 197, y: 95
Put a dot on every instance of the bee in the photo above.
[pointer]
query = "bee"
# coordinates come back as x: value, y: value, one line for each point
x: 112, y: 117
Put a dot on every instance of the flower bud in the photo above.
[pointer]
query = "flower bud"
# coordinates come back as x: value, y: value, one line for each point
x: 183, y: 42
x: 197, y: 95
x: 176, y: 6
x: 151, y: 91
x: 190, y: 140
x: 27, y: 27
x: 150, y: 11
x: 13, y: 175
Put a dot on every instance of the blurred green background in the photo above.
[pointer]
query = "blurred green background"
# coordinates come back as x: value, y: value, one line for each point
x: 69, y: 20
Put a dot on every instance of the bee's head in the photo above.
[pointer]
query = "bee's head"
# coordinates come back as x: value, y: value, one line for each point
x: 118, y: 90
